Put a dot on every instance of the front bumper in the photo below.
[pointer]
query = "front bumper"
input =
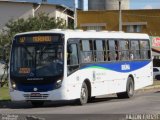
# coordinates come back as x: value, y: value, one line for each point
x: 54, y: 95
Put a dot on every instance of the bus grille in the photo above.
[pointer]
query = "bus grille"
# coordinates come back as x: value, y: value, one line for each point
x: 36, y: 96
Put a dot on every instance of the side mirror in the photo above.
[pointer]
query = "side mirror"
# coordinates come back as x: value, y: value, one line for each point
x: 69, y: 49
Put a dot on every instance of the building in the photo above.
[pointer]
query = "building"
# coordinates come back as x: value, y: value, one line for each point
x: 15, y: 10
x: 83, y: 4
x: 143, y: 21
x: 140, y: 21
x: 107, y: 4
x: 156, y: 49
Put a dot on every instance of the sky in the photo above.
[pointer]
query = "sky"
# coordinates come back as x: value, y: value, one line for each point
x: 134, y: 4
x: 145, y: 4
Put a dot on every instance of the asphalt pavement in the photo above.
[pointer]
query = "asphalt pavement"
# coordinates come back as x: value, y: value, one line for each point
x: 145, y: 104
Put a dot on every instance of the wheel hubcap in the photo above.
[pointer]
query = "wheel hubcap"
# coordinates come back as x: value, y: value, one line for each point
x: 83, y: 93
x: 131, y: 88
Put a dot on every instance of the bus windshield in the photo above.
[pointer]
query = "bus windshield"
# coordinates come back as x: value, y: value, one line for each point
x: 42, y: 60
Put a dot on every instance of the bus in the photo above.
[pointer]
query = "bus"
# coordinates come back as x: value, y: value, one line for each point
x: 78, y: 65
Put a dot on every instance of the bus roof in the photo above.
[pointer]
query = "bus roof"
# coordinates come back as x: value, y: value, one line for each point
x: 91, y: 34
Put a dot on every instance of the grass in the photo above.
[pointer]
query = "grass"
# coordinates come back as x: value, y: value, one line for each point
x: 4, y: 93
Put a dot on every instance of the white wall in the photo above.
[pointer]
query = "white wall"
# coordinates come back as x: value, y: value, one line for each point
x: 62, y: 16
x: 45, y: 8
x: 14, y: 10
x: 52, y: 11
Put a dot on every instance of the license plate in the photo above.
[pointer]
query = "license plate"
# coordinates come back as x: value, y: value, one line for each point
x: 35, y: 94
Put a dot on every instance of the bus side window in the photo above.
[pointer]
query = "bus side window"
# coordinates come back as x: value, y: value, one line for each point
x: 72, y: 58
x: 106, y: 51
x: 86, y: 48
x: 124, y: 50
x: 117, y: 50
x: 145, y: 50
x: 135, y: 49
x: 99, y: 50
x: 112, y: 50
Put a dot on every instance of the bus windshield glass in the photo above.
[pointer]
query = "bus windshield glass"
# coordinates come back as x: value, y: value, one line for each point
x: 37, y: 60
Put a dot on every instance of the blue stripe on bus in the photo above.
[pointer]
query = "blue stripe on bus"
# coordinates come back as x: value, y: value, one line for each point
x: 30, y: 88
x: 119, y: 66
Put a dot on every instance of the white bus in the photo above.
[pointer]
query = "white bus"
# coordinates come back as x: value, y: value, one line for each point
x: 58, y: 65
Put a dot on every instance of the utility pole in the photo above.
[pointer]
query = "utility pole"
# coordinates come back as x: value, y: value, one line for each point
x: 75, y: 15
x: 120, y: 16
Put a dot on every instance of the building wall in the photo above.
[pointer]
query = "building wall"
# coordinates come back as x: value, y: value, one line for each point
x: 13, y: 10
x: 150, y: 19
x: 63, y: 16
x: 45, y: 8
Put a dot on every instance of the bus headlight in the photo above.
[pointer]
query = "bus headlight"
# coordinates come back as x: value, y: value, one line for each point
x: 13, y: 84
x: 58, y: 83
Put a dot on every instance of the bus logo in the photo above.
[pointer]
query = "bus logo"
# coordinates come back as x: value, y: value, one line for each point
x: 125, y: 67
x: 35, y: 89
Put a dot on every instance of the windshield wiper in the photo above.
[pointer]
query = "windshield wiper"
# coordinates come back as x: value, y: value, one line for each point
x: 29, y: 52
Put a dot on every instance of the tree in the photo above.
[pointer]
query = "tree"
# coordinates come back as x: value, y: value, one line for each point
x: 40, y: 22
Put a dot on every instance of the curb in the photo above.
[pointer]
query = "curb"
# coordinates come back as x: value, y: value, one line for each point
x: 153, y: 87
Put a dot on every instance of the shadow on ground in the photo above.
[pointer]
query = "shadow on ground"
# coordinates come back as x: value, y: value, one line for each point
x: 27, y: 105
x: 157, y: 91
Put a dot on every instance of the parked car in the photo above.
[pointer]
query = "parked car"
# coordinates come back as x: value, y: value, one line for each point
x: 156, y: 73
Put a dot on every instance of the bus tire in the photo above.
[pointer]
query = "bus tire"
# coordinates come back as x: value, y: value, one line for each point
x: 129, y: 89
x: 37, y: 103
x: 83, y: 95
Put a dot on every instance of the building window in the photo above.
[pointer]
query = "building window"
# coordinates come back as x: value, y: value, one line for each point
x: 134, y: 28
x: 97, y: 28
x: 94, y: 26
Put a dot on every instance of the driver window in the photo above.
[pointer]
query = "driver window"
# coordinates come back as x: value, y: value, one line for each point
x: 72, y: 58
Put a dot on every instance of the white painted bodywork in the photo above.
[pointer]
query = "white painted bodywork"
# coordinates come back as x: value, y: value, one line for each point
x: 102, y: 81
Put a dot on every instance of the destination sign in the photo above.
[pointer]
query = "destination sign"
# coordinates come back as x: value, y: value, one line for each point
x: 38, y: 39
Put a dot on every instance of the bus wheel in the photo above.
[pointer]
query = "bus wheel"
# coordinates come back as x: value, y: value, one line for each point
x: 129, y: 89
x: 83, y: 95
x: 37, y: 103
